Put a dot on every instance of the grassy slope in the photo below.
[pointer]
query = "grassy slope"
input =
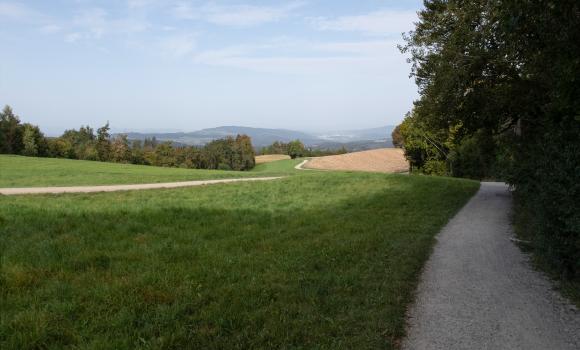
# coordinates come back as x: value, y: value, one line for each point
x: 316, y: 260
x: 17, y: 171
x: 282, y: 167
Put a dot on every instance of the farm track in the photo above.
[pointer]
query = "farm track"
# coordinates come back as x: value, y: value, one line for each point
x: 479, y: 291
x: 115, y: 188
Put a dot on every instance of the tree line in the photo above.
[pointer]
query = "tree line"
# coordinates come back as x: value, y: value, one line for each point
x: 296, y: 149
x: 500, y: 98
x: 26, y: 139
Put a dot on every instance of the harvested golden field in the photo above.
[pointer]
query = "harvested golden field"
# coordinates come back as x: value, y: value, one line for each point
x: 384, y: 160
x: 270, y: 158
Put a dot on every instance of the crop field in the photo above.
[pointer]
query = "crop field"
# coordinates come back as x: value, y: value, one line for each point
x: 267, y: 158
x: 384, y: 160
x: 317, y: 260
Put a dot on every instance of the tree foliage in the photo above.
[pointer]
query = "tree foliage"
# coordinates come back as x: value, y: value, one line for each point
x: 398, y: 140
x: 296, y: 149
x: 227, y: 154
x: 11, y: 132
x: 103, y: 145
x: 299, y: 150
x: 499, y: 94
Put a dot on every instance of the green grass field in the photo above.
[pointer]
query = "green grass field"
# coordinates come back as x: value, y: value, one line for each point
x: 18, y: 171
x: 281, y: 167
x: 317, y: 260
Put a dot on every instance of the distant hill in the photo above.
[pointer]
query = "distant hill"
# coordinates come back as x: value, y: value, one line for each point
x: 352, y: 140
x: 381, y: 133
x: 260, y: 136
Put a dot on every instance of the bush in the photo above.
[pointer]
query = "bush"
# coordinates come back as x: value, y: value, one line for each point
x: 435, y: 167
x: 296, y: 149
x: 474, y: 158
x: 547, y: 198
x: 223, y: 166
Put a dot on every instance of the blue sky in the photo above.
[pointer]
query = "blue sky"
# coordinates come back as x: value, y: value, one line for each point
x: 188, y: 64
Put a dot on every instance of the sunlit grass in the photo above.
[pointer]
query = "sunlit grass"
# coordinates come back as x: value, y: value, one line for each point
x: 17, y: 171
x: 317, y: 260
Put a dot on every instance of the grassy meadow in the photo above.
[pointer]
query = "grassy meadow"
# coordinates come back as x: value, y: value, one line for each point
x: 317, y: 260
x: 280, y: 167
x: 19, y: 171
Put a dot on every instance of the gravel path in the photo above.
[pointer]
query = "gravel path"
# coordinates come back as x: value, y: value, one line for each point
x: 478, y: 290
x: 114, y: 188
x: 301, y: 165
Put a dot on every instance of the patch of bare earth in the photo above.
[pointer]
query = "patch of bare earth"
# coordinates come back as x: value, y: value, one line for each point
x: 270, y: 158
x: 384, y: 160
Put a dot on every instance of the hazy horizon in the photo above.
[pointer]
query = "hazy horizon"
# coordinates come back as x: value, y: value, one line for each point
x: 188, y: 65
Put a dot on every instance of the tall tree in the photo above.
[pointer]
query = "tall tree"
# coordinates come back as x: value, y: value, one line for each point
x: 104, y: 143
x: 246, y: 151
x: 11, y: 132
x: 498, y: 81
x: 120, y: 151
x: 29, y: 142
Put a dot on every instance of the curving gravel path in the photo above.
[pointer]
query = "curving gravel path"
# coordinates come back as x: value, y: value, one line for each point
x: 478, y: 290
x: 114, y: 188
x: 301, y: 165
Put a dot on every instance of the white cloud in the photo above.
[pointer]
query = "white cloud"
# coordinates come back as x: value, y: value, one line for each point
x: 134, y: 4
x: 247, y: 15
x: 382, y: 23
x: 50, y: 29
x: 13, y: 10
x: 18, y: 12
x: 178, y: 45
x: 237, y: 16
x: 73, y: 37
x: 184, y: 10
x: 94, y: 23
x: 359, y: 58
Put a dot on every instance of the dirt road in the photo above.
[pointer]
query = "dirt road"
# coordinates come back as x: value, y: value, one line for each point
x: 114, y: 188
x: 478, y: 290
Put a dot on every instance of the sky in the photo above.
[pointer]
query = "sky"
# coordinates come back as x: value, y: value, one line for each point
x: 168, y: 65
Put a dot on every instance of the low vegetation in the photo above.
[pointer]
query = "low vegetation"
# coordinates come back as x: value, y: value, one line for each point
x: 315, y: 260
x: 296, y: 149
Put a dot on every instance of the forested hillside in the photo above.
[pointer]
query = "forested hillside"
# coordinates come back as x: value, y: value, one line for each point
x: 228, y: 153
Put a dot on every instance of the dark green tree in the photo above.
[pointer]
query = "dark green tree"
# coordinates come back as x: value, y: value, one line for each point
x: 246, y: 151
x: 498, y: 84
x: 11, y: 132
x: 104, y: 143
x: 296, y: 149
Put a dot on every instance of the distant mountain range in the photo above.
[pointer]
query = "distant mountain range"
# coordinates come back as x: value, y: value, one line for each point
x: 353, y: 140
